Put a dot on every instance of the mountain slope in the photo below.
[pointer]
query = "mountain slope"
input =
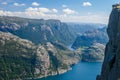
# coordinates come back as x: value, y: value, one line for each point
x: 91, y: 44
x: 93, y: 53
x: 21, y: 59
x: 37, y: 30
x: 90, y: 37
x: 16, y: 57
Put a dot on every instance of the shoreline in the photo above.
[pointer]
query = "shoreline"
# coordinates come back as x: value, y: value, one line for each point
x: 62, y: 71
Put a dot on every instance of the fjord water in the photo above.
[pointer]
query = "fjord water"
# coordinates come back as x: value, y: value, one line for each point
x: 80, y: 71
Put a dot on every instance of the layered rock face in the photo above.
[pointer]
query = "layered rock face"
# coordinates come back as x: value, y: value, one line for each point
x: 111, y: 64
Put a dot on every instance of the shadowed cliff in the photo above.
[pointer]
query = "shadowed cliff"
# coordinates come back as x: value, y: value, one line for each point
x: 111, y: 64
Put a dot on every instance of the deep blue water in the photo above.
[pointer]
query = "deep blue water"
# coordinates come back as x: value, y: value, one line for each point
x: 81, y: 71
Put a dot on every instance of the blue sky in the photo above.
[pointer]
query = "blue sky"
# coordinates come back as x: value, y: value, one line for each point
x: 88, y: 11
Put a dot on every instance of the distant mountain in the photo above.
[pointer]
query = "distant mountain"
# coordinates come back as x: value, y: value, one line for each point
x: 80, y: 28
x: 91, y: 44
x: 37, y: 30
x: 90, y: 37
x: 21, y: 59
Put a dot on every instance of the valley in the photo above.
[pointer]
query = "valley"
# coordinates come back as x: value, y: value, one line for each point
x: 36, y: 48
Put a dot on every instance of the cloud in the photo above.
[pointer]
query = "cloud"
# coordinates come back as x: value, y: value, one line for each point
x: 4, y: 3
x: 17, y: 4
x: 87, y: 4
x: 46, y: 13
x: 35, y: 4
x: 64, y: 6
x: 55, y: 10
x: 43, y: 10
x: 36, y: 13
x: 87, y: 19
x: 69, y: 11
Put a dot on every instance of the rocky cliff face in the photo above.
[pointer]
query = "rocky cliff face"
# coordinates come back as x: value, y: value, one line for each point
x: 111, y: 64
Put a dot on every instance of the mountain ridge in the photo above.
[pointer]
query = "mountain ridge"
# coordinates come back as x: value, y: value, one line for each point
x: 37, y: 30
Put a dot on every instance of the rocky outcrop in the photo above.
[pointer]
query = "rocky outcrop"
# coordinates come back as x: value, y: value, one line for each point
x: 111, y: 64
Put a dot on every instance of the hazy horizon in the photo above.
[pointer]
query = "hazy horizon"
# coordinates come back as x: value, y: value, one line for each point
x: 84, y: 11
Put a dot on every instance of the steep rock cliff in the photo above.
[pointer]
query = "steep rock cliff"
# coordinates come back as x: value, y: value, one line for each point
x: 111, y: 64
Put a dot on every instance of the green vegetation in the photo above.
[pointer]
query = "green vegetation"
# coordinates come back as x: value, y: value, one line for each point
x: 21, y: 59
x: 15, y: 61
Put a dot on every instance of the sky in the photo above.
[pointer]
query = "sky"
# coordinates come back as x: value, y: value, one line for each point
x: 85, y: 11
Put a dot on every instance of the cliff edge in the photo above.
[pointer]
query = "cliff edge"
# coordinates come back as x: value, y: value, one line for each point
x: 111, y: 64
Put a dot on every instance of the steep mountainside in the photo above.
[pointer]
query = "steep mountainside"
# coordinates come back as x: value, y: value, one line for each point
x: 21, y: 59
x: 37, y: 30
x: 111, y: 65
